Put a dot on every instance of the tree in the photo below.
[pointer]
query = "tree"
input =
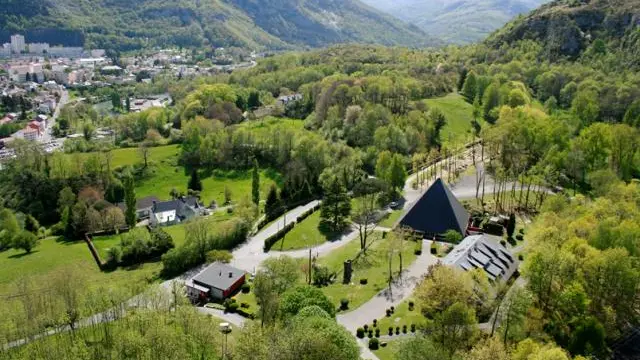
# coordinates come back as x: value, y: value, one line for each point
x: 144, y: 149
x: 470, y: 87
x: 462, y: 78
x: 253, y: 102
x: 194, y: 181
x: 276, y: 276
x: 255, y: 184
x: 88, y: 130
x: 128, y: 104
x: 25, y: 240
x: 491, y: 101
x: 420, y: 348
x: 397, y: 173
x: 452, y: 236
x: 585, y: 107
x: 113, y: 218
x: 454, y: 328
x: 489, y: 349
x: 31, y: 224
x: 336, y: 204
x: 273, y: 205
x: 301, y: 297
x: 442, y: 287
x: 367, y: 194
x: 116, y: 101
x: 588, y: 339
x: 130, y: 215
x: 9, y: 228
x: 511, y: 225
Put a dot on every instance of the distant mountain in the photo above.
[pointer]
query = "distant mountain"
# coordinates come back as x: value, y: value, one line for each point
x: 456, y: 21
x: 573, y: 28
x: 275, y: 24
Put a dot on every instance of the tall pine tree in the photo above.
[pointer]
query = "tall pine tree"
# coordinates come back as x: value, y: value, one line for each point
x: 194, y: 182
x: 255, y: 185
x: 130, y: 216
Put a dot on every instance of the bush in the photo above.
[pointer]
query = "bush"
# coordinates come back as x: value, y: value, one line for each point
x: 521, y: 231
x: 344, y: 304
x: 520, y: 237
x: 233, y: 307
x: 418, y: 248
x: 393, y: 309
x: 246, y: 288
x: 512, y: 241
x: 503, y: 243
x: 521, y: 257
x: 363, y: 281
x: 360, y: 333
x: 366, y: 327
x: 25, y: 240
x: 388, y: 312
x: 434, y: 248
x: 390, y: 330
x: 397, y: 330
x: 404, y: 329
x: 321, y: 276
x: 222, y: 256
x: 370, y: 334
x: 375, y: 322
x: 377, y: 333
x: 300, y: 297
x: 268, y: 242
x: 411, y: 305
x: 413, y: 328
x: 374, y: 344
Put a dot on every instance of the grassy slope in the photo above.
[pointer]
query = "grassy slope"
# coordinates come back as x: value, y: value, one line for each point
x: 304, y: 235
x: 374, y: 267
x: 459, y: 114
x: 52, y: 255
x: 167, y: 175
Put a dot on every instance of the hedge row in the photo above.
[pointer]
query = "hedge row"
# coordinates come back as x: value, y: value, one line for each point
x: 268, y: 242
x: 307, y: 213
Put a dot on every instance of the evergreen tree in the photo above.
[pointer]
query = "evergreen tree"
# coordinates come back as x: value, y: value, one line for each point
x: 130, y: 201
x: 463, y: 78
x: 470, y: 87
x: 273, y: 205
x: 116, y: 102
x: 255, y: 185
x: 254, y: 100
x: 194, y: 182
x: 128, y: 102
x: 336, y: 204
x: 511, y: 225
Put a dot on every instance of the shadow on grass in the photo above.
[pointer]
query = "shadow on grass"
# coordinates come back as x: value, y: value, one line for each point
x: 330, y: 234
x: 20, y: 256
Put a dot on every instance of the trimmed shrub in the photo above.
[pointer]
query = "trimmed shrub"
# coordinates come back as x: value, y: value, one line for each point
x: 393, y: 309
x: 375, y: 322
x: 521, y: 257
x: 300, y: 297
x: 370, y: 335
x: 344, y: 304
x: 519, y: 237
x: 418, y: 248
x: 366, y: 327
x: 503, y: 243
x: 413, y: 328
x: 364, y: 281
x: 404, y: 329
x: 246, y: 288
x: 434, y: 248
x: 411, y: 305
x: 360, y: 333
x: 397, y: 330
x: 268, y: 242
x: 390, y: 330
x: 388, y: 312
x: 377, y: 333
x: 374, y: 344
x: 521, y: 231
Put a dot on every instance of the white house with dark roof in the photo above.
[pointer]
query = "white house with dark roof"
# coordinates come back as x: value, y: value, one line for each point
x: 483, y: 252
x: 175, y: 211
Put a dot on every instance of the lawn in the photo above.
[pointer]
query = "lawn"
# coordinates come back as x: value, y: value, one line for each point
x: 52, y: 255
x: 166, y: 174
x: 388, y: 352
x: 390, y: 219
x: 459, y: 114
x: 401, y: 316
x: 374, y: 267
x: 305, y: 234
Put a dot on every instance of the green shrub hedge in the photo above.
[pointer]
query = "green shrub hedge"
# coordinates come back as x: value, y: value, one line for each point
x: 268, y: 242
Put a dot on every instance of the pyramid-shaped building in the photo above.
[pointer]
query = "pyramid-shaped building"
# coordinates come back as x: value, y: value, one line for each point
x: 437, y: 212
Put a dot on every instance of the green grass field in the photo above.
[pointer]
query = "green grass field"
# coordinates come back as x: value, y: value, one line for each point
x: 166, y: 174
x: 52, y: 255
x: 402, y: 316
x: 374, y: 267
x: 459, y: 114
x: 391, y: 219
x: 388, y: 352
x: 304, y: 235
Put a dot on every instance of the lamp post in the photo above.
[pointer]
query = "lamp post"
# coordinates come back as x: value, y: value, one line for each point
x: 225, y: 328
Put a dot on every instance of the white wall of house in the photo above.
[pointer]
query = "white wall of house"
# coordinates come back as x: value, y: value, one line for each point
x: 166, y: 216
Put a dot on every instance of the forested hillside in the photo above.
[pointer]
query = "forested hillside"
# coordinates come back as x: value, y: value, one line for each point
x: 457, y: 21
x: 127, y: 25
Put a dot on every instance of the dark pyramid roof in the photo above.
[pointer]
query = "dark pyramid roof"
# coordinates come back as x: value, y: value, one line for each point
x: 436, y: 212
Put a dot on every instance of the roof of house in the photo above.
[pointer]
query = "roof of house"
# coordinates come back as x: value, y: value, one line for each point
x: 146, y: 202
x: 483, y: 252
x: 436, y: 212
x: 165, y: 206
x: 219, y: 276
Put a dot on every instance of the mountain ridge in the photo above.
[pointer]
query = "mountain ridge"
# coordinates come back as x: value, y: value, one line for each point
x: 266, y: 24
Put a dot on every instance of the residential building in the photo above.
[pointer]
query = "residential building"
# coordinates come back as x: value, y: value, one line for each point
x: 484, y: 252
x: 143, y: 207
x: 38, y: 48
x: 19, y: 72
x: 17, y: 44
x: 286, y: 99
x: 33, y: 131
x: 217, y: 282
x: 436, y: 212
x: 175, y: 211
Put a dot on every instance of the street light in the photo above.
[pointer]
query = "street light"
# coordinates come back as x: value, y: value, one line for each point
x: 225, y: 328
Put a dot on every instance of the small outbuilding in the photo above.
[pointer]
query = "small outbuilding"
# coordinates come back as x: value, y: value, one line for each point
x: 217, y: 282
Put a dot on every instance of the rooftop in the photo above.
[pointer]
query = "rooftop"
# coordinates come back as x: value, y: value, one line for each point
x: 483, y: 252
x: 219, y: 276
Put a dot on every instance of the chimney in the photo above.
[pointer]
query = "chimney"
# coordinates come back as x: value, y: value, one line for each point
x: 230, y: 274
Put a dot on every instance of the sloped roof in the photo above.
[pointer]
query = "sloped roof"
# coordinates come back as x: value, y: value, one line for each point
x: 436, y: 212
x: 219, y: 276
x: 483, y: 252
